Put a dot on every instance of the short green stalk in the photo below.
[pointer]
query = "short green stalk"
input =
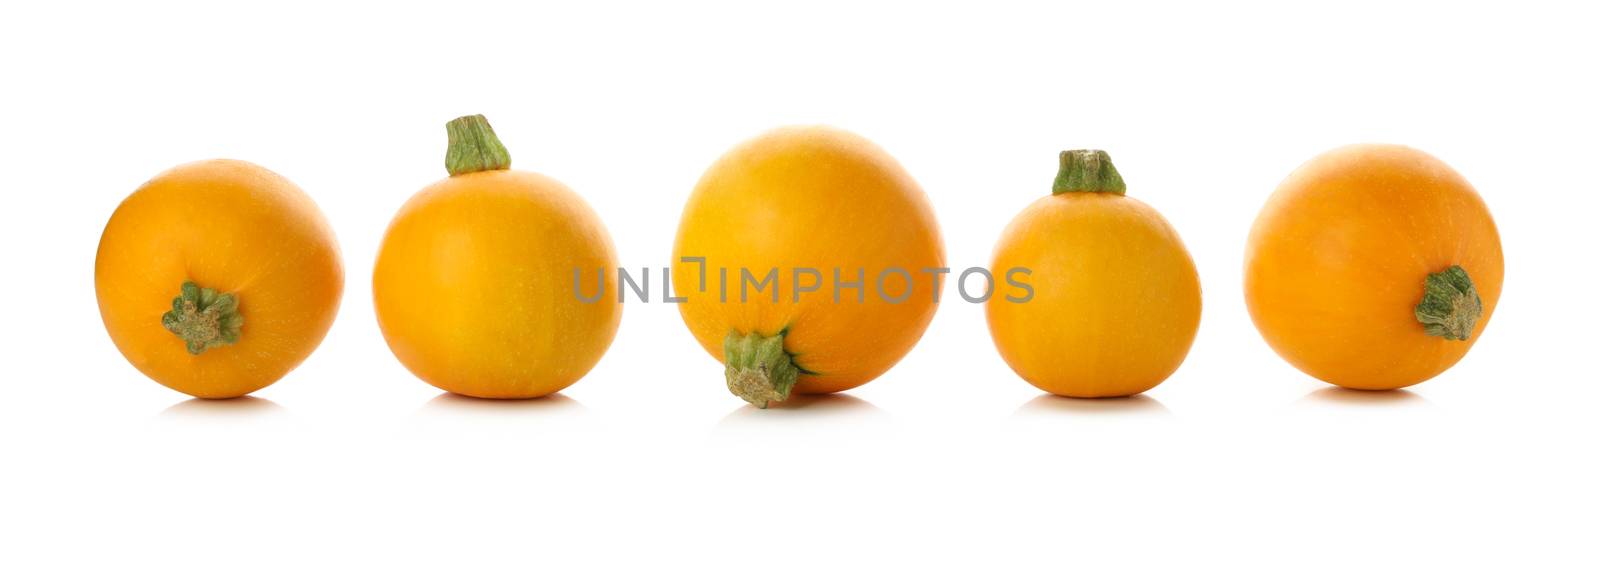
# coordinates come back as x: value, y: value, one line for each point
x: 758, y: 369
x: 1088, y: 171
x: 204, y: 318
x: 1450, y: 306
x: 474, y: 147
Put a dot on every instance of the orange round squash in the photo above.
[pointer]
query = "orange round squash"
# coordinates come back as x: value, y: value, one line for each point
x: 474, y: 282
x: 1373, y: 267
x: 820, y: 209
x: 1114, y: 298
x: 218, y: 277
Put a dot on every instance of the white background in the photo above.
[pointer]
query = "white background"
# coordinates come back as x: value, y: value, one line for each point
x: 1204, y: 108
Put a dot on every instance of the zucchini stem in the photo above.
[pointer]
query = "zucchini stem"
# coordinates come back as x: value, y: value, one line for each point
x: 1450, y: 306
x: 1087, y: 171
x: 758, y: 369
x: 204, y: 318
x: 474, y: 147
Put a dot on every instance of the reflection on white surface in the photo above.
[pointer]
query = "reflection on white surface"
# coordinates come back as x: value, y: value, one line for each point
x: 238, y: 407
x: 802, y: 407
x: 1137, y: 405
x: 454, y: 417
x: 455, y: 404
x: 1344, y: 396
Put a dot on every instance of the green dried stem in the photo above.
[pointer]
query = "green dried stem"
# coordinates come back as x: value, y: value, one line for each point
x: 1450, y: 306
x: 204, y: 318
x: 758, y: 369
x: 474, y: 147
x: 1087, y: 171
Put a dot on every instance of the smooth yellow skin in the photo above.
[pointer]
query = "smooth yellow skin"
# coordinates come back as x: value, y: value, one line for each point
x: 1337, y: 260
x: 821, y: 198
x: 473, y: 287
x: 234, y: 227
x: 1116, y: 299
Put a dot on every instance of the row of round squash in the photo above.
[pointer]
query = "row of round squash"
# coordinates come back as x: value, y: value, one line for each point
x: 1371, y: 267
